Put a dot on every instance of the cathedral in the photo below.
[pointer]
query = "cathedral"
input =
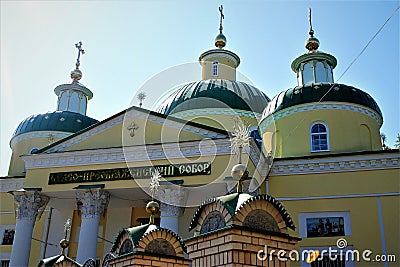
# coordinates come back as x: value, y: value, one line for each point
x: 213, y: 176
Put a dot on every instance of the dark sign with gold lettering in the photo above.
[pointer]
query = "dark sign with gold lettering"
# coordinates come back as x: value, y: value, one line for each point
x: 170, y: 170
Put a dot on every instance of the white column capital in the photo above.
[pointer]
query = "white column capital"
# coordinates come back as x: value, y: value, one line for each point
x: 29, y: 203
x: 93, y: 202
x: 174, y: 196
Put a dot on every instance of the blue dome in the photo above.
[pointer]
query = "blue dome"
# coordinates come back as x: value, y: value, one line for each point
x: 62, y: 121
x: 215, y: 94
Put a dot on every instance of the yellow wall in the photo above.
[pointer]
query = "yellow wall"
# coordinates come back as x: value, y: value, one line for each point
x: 363, y: 209
x: 23, y: 147
x: 226, y: 71
x: 349, y: 131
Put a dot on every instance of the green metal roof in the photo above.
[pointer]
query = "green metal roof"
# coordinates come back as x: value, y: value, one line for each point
x: 236, y: 201
x: 314, y: 92
x: 136, y: 233
x: 215, y: 93
x: 63, y: 121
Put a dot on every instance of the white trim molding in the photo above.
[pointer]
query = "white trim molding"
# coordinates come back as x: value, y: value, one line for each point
x: 128, y: 154
x: 319, y: 106
x: 38, y: 134
x: 367, y: 162
x: 216, y: 111
x: 11, y: 184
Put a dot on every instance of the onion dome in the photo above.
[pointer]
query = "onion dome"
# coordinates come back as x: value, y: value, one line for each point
x: 62, y: 121
x: 320, y: 92
x: 215, y: 94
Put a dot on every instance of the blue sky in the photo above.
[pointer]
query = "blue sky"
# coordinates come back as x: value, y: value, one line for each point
x: 128, y: 42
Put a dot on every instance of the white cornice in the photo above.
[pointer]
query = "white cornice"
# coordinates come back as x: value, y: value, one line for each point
x: 334, y: 164
x: 38, y: 134
x: 170, y: 151
x: 319, y: 106
x: 216, y: 111
x: 128, y: 154
x: 11, y: 184
x: 133, y: 114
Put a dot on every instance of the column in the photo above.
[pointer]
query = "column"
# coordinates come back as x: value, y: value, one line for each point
x: 29, y: 202
x: 93, y: 203
x: 172, y: 204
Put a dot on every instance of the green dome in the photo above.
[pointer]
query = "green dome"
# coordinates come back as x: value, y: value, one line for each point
x: 215, y: 93
x: 314, y: 92
x: 62, y: 121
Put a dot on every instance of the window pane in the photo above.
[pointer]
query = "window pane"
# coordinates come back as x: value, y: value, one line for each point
x: 308, y: 76
x: 330, y: 76
x: 320, y: 72
x: 318, y: 128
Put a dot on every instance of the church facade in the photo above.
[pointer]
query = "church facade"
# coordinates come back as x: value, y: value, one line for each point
x: 315, y: 148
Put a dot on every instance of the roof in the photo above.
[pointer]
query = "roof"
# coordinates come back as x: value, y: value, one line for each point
x: 50, y: 262
x: 309, y: 93
x: 63, y: 121
x: 215, y: 93
x: 138, y: 232
x: 236, y: 201
x: 194, y: 124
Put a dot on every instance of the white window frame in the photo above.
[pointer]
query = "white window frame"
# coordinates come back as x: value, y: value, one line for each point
x: 215, y: 68
x: 304, y: 216
x: 311, y: 135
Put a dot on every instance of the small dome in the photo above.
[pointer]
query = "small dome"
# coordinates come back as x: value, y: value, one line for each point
x: 234, y: 94
x: 220, y: 41
x: 63, y: 121
x: 314, y: 92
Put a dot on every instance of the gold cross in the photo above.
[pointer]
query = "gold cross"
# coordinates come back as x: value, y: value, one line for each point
x: 80, y: 50
x: 221, y: 18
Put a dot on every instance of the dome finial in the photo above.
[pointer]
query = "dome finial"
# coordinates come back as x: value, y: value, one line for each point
x: 220, y: 40
x: 76, y: 74
x: 312, y: 43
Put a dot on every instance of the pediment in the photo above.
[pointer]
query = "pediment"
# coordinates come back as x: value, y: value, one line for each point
x: 135, y: 126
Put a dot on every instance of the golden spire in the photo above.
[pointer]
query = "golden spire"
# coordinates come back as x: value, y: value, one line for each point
x: 76, y: 74
x: 220, y: 40
x: 312, y: 43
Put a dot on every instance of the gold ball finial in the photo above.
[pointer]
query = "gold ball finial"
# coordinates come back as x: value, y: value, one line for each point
x: 64, y: 243
x: 239, y: 173
x: 152, y: 208
x: 312, y: 44
x: 220, y: 41
x: 76, y: 74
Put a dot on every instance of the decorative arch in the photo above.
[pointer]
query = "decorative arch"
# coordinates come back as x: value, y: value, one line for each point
x: 365, y: 137
x: 163, y: 242
x: 213, y: 216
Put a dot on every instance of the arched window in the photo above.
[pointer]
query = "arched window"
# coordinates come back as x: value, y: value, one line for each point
x: 319, y: 137
x: 214, y: 70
